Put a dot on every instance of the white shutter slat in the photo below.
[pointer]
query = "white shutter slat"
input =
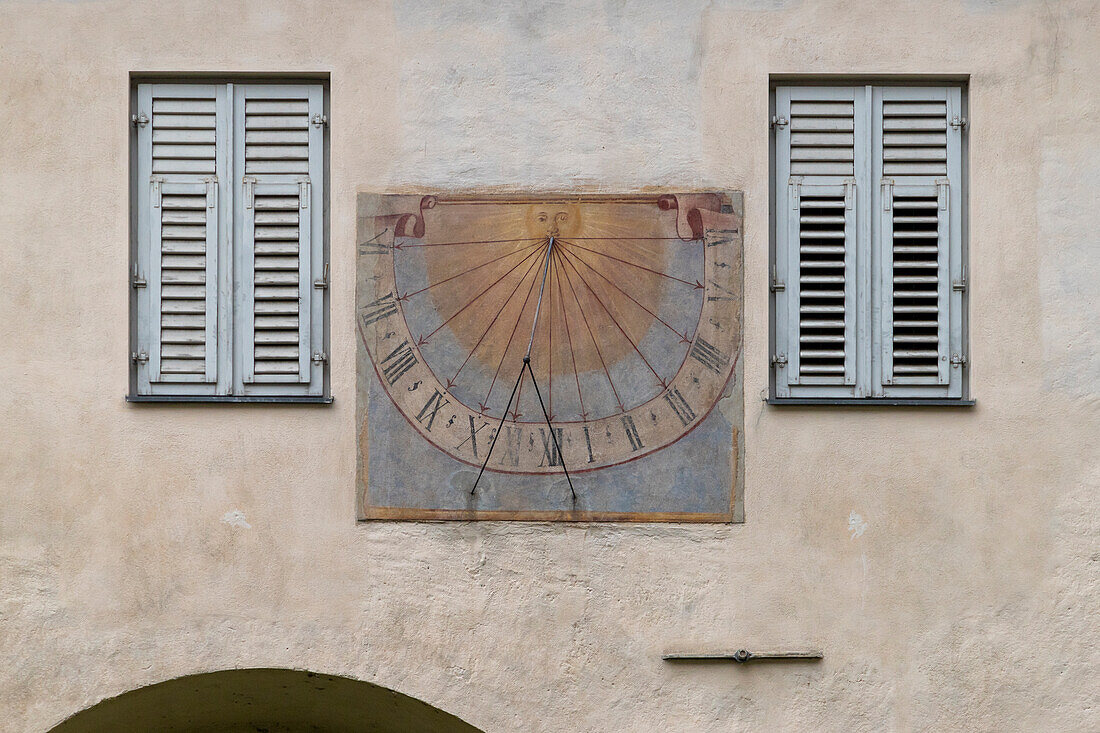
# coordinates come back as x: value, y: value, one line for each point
x: 276, y: 280
x: 915, y: 256
x: 184, y: 287
x: 821, y: 286
x: 279, y: 120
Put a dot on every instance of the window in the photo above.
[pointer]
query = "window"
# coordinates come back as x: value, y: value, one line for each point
x: 229, y: 272
x: 869, y: 274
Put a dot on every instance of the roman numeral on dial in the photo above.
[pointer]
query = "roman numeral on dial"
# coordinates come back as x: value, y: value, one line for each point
x: 399, y: 361
x: 680, y: 406
x: 384, y: 307
x: 708, y: 356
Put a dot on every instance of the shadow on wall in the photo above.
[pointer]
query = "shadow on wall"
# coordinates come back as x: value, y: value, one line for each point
x: 271, y: 700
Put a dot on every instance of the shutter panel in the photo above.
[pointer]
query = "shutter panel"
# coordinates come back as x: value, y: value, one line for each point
x: 183, y: 278
x: 275, y: 282
x: 918, y: 163
x: 820, y: 162
x: 278, y: 307
x: 180, y: 149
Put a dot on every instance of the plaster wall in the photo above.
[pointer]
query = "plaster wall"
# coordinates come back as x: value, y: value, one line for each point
x: 945, y: 560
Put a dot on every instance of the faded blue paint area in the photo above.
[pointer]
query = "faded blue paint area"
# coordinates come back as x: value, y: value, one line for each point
x: 683, y: 477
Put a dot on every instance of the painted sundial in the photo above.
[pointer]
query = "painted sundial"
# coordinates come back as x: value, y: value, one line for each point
x: 568, y: 357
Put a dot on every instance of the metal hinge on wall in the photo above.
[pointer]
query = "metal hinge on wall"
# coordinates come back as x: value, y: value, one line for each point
x: 777, y: 285
x: 319, y: 120
x: 778, y: 121
x: 139, y: 357
x: 139, y: 120
x: 957, y: 360
x: 958, y: 123
x: 136, y: 279
x: 319, y: 357
x: 779, y: 360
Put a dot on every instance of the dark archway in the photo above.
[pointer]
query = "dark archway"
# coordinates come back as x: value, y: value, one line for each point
x: 267, y: 700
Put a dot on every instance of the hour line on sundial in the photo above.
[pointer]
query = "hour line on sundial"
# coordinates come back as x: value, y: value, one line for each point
x: 526, y: 368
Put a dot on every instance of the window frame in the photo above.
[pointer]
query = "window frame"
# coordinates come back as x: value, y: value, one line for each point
x: 776, y: 220
x: 319, y: 239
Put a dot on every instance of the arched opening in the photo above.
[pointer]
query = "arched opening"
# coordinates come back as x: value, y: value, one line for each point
x: 263, y: 700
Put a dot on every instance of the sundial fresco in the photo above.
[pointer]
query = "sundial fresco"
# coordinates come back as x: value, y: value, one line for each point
x: 569, y: 357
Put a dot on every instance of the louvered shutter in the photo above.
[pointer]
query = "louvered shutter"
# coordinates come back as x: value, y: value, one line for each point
x: 181, y: 151
x: 821, y: 164
x: 917, y: 159
x: 279, y: 283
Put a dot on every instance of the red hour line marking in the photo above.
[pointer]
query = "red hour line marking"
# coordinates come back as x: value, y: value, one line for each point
x: 569, y: 337
x: 695, y: 285
x: 550, y: 343
x: 519, y: 316
x: 466, y: 272
x: 493, y: 284
x: 476, y: 241
x: 451, y: 381
x: 628, y: 295
x: 613, y: 320
x: 636, y: 238
x: 588, y: 326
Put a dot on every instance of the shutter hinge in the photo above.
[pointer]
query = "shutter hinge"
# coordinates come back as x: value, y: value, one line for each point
x: 778, y: 121
x: 139, y: 357
x: 319, y: 357
x: 958, y: 123
x: 319, y: 120
x: 136, y: 280
x: 139, y: 120
x: 776, y: 284
x: 779, y: 360
x: 958, y: 360
x: 322, y: 282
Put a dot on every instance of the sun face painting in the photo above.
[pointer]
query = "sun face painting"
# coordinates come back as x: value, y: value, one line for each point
x: 569, y: 357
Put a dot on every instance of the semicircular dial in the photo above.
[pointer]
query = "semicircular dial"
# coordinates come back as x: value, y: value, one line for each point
x: 624, y: 305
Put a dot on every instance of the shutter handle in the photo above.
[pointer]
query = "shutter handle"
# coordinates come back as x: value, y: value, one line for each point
x: 794, y: 185
x: 249, y: 194
x: 887, y: 193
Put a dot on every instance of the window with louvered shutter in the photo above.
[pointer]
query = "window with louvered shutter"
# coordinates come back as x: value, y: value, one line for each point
x: 868, y: 278
x: 229, y: 276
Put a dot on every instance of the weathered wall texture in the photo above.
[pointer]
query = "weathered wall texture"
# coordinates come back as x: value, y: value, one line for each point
x: 140, y: 543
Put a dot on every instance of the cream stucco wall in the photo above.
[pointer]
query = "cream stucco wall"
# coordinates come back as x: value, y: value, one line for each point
x: 971, y: 600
